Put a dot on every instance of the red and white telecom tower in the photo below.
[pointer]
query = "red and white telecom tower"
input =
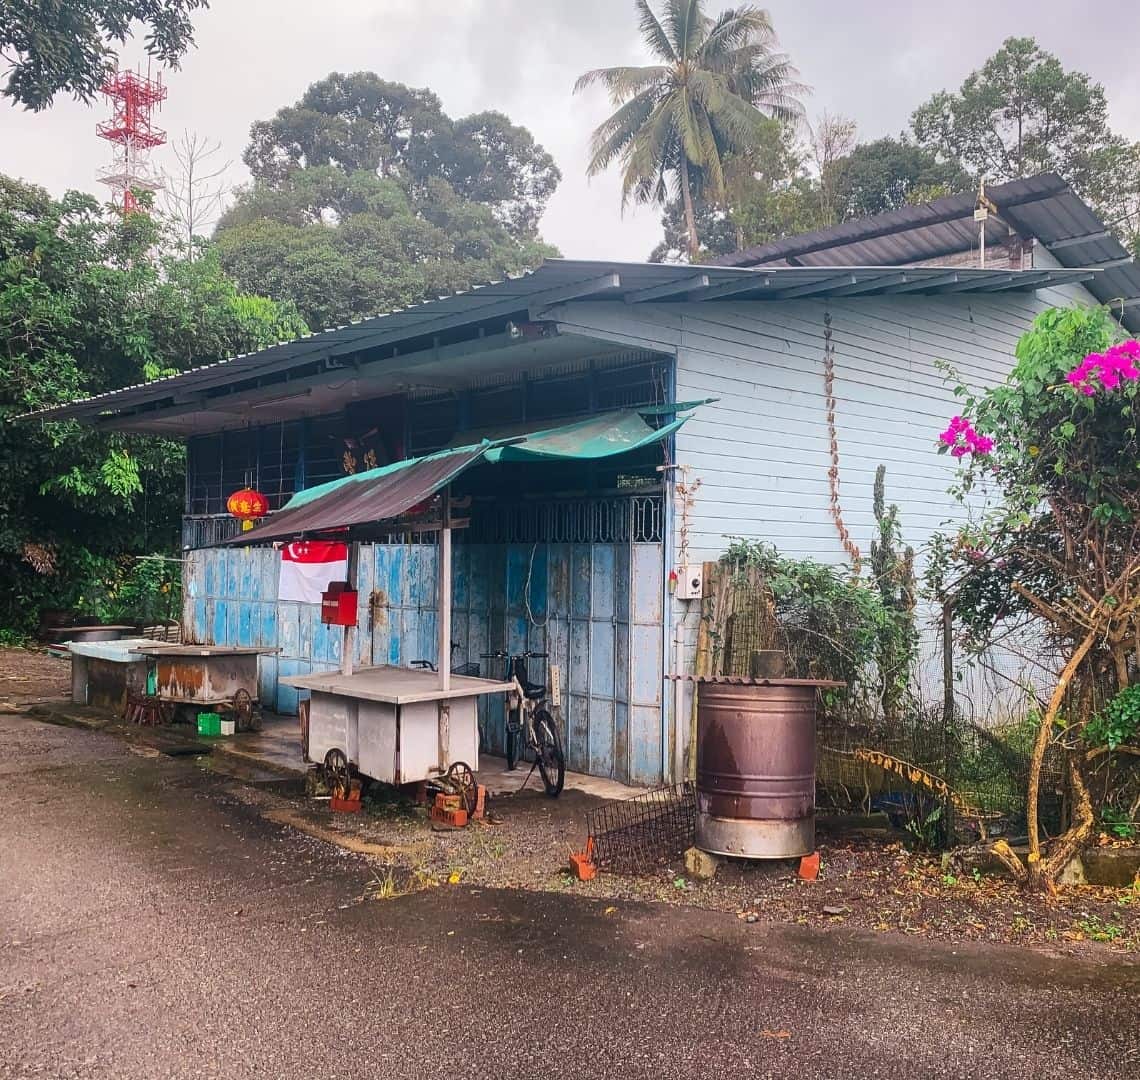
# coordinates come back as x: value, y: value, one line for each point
x: 133, y: 97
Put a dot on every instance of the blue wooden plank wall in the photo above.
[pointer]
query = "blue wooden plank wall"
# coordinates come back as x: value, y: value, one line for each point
x: 596, y: 608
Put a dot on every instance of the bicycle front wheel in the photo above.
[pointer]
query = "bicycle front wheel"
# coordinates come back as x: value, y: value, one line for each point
x: 551, y: 760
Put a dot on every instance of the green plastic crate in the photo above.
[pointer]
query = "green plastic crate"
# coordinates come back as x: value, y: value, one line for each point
x: 209, y: 723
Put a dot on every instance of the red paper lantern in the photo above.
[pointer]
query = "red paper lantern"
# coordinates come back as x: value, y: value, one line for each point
x: 247, y: 505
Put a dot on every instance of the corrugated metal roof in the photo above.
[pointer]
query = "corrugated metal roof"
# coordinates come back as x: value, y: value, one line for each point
x: 1043, y: 207
x: 556, y: 281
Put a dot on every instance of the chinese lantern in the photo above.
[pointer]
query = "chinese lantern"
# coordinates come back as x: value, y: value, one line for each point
x: 247, y: 505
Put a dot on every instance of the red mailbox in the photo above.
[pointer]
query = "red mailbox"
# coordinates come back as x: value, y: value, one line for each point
x: 338, y: 605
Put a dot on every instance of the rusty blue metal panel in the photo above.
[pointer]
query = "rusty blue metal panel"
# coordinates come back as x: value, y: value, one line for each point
x: 267, y: 683
x: 196, y: 621
x: 212, y: 584
x: 289, y: 629
x: 267, y: 620
x: 306, y: 615
x: 647, y: 730
x: 365, y: 582
x: 246, y: 634
x: 218, y: 628
x: 231, y: 575
x: 287, y: 695
x: 270, y: 569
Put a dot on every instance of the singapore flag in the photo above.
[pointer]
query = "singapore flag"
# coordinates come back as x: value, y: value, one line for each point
x: 308, y: 567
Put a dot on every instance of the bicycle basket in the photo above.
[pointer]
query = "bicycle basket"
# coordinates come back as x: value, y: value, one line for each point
x: 471, y: 670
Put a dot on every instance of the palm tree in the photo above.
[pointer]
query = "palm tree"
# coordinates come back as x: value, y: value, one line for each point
x: 676, y: 120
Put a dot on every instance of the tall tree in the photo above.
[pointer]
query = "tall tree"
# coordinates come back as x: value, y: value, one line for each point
x: 888, y: 173
x: 88, y: 304
x: 769, y: 194
x: 193, y: 195
x: 675, y: 121
x: 53, y: 48
x: 832, y: 140
x: 362, y: 123
x: 342, y: 246
x: 367, y: 197
x: 1021, y: 113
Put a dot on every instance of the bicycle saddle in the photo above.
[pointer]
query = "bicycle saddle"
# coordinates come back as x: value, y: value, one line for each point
x: 534, y: 690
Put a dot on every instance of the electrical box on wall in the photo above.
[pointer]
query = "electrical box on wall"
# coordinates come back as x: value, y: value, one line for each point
x: 690, y: 582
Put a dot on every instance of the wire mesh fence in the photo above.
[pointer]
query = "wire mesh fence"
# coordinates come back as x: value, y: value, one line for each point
x: 637, y: 835
x: 980, y: 773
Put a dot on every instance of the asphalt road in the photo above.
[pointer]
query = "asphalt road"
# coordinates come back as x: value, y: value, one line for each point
x: 153, y: 925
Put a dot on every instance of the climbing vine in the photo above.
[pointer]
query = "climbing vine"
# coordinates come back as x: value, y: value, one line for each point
x: 835, y: 505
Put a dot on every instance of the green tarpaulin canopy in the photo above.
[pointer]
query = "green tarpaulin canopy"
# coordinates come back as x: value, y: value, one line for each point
x: 385, y: 493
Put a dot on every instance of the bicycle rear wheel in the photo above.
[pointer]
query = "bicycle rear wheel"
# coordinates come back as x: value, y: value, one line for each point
x: 551, y: 761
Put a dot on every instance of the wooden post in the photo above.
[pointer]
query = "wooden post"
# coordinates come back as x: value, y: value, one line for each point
x: 444, y: 620
x: 348, y: 642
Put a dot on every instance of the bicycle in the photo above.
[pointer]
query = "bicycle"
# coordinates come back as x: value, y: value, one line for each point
x: 529, y: 720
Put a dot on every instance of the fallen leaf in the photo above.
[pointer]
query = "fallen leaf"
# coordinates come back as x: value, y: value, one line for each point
x: 776, y: 1034
x: 610, y: 910
x: 454, y: 877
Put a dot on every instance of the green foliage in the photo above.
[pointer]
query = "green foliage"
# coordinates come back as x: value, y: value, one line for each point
x: 88, y: 304
x: 361, y: 124
x: 341, y: 246
x: 368, y: 198
x: 1095, y: 928
x: 888, y: 174
x: 828, y: 623
x: 1052, y: 445
x: 1118, y: 722
x: 892, y: 573
x: 1117, y: 823
x: 924, y: 825
x: 1022, y: 113
x: 64, y: 47
x: 713, y: 82
x: 768, y: 195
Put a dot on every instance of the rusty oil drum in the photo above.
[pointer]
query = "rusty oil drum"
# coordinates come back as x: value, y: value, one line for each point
x: 756, y: 768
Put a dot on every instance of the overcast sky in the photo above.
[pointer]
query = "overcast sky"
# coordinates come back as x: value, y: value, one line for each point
x: 872, y: 61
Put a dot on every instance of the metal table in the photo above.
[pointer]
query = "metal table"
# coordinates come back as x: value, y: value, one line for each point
x: 393, y: 724
x: 107, y: 673
x: 204, y: 676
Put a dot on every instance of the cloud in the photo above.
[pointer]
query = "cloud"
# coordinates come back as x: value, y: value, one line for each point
x: 873, y: 62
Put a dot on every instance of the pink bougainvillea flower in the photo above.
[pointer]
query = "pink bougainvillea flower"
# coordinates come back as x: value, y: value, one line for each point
x: 962, y: 439
x: 1105, y: 371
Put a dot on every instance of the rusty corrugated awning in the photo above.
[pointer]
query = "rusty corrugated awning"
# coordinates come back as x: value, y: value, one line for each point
x: 379, y: 495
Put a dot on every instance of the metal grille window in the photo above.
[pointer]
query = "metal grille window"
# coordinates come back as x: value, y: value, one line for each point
x: 633, y: 519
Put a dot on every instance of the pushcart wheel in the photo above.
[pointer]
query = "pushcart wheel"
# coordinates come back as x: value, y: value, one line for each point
x: 338, y: 772
x: 242, y: 706
x: 462, y: 782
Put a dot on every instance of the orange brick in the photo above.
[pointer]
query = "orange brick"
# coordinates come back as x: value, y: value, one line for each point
x: 456, y: 818
x: 448, y: 802
x: 809, y: 866
x: 582, y: 866
x: 480, y: 803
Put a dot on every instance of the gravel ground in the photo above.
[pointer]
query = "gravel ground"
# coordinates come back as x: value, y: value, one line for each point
x: 153, y: 923
x: 867, y: 881
x: 29, y: 676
